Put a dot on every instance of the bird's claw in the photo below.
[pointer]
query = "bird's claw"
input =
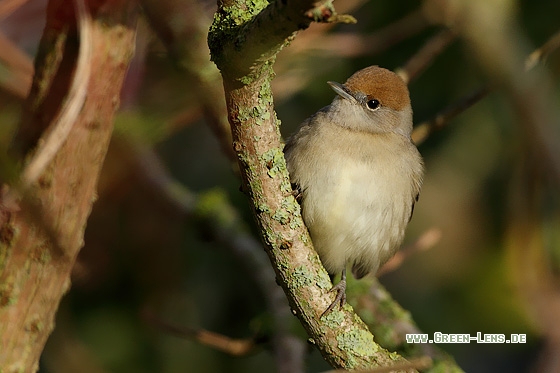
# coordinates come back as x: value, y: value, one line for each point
x: 340, y: 298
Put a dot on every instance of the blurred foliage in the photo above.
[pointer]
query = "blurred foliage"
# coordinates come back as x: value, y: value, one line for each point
x: 142, y: 252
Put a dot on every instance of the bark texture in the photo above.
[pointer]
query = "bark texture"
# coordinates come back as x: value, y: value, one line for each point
x: 41, y: 237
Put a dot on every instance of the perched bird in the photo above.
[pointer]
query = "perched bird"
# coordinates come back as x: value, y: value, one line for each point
x: 357, y: 174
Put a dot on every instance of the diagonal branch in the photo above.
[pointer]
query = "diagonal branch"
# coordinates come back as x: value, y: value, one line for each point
x: 244, y: 41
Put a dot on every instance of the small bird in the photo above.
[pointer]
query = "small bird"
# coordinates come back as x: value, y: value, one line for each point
x: 357, y: 174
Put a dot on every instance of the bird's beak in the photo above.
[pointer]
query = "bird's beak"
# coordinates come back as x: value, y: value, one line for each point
x: 341, y: 90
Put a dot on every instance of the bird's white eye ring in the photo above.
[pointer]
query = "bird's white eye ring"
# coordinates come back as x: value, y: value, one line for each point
x: 373, y: 104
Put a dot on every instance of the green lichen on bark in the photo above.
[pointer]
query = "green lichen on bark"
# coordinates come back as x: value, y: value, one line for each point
x: 226, y: 32
x: 358, y: 342
x: 303, y: 276
x: 289, y: 212
x: 274, y: 160
x: 333, y: 319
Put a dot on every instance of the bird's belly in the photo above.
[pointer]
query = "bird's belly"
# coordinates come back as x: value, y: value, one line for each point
x: 356, y: 218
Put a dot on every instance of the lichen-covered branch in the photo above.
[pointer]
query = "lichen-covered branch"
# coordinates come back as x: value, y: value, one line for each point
x: 32, y: 279
x: 247, y: 35
x: 390, y: 323
x: 244, y: 40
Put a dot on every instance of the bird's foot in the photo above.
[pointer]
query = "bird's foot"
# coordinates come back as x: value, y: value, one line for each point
x: 340, y: 298
x: 297, y: 192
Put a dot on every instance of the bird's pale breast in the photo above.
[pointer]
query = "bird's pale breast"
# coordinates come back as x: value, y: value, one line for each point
x: 357, y: 195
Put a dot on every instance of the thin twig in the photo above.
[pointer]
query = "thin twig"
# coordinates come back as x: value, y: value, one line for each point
x: 425, y: 129
x: 345, y: 44
x: 232, y: 346
x: 394, y: 33
x: 541, y: 53
x: 426, y: 241
x: 339, y: 44
x: 424, y: 57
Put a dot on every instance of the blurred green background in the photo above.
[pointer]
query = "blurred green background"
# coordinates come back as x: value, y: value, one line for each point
x: 148, y: 260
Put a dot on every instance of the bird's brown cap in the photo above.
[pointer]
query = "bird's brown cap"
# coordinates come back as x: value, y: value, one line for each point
x: 380, y: 84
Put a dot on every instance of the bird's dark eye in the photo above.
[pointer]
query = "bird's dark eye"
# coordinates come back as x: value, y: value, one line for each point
x: 373, y: 104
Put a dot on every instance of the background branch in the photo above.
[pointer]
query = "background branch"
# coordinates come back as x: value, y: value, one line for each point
x: 219, y: 219
x: 541, y: 53
x: 422, y: 59
x: 191, y: 58
x: 66, y: 188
